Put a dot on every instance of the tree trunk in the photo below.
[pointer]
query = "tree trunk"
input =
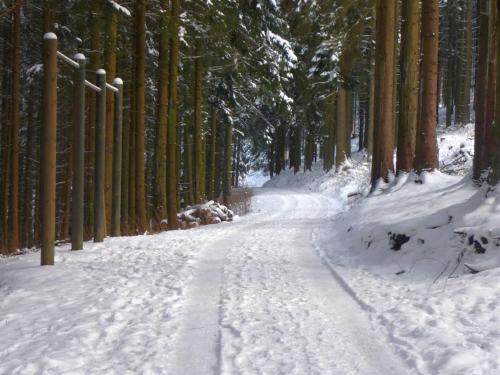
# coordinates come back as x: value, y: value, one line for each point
x: 28, y: 163
x: 127, y: 126
x: 94, y: 64
x: 371, y: 108
x: 213, y: 145
x: 462, y: 115
x: 481, y: 98
x: 188, y: 165
x: 199, y: 163
x: 111, y: 25
x: 408, y: 100
x: 162, y: 122
x: 329, y: 147
x: 140, y: 109
x: 426, y: 150
x: 341, y: 128
x: 385, y: 62
x: 16, y: 78
x: 228, y: 164
x: 495, y: 175
x: 490, y: 143
x: 172, y: 117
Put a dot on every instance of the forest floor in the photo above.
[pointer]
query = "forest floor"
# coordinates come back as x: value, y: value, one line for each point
x: 319, y: 278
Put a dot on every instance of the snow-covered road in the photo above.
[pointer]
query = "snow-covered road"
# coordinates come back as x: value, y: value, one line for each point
x: 263, y: 301
x: 251, y: 297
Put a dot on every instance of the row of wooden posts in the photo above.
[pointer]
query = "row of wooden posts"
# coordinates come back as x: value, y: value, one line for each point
x: 48, y: 151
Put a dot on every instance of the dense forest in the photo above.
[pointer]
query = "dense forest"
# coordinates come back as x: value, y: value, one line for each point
x: 209, y: 90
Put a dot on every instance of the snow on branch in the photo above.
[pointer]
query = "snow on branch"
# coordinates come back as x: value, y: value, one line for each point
x: 120, y: 8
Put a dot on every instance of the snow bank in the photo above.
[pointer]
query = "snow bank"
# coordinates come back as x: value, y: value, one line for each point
x: 425, y: 259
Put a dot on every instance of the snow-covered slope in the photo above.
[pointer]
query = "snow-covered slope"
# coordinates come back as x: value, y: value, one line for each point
x: 425, y: 258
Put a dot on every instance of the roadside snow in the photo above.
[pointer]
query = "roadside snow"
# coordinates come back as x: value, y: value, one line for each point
x: 411, y: 253
x: 108, y: 309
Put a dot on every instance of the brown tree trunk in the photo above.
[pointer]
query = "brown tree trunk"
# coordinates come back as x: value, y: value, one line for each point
x: 162, y: 122
x: 212, y: 159
x: 28, y: 185
x: 341, y: 130
x: 16, y: 83
x: 172, y: 117
x: 495, y: 175
x: 408, y: 101
x: 140, y: 109
x: 490, y: 143
x: 111, y: 25
x: 426, y: 150
x: 199, y: 162
x: 93, y: 65
x: 385, y: 61
x: 481, y: 98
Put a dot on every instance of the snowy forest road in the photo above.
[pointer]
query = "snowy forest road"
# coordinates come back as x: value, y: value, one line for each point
x: 263, y: 301
x: 249, y: 297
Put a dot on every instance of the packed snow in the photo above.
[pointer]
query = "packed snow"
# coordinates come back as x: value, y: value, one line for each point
x: 322, y: 277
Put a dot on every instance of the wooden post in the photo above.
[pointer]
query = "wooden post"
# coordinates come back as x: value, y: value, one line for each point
x: 48, y: 150
x: 77, y: 191
x: 100, y: 134
x: 117, y: 159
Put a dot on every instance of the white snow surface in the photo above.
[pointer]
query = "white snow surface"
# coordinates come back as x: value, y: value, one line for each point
x: 310, y: 282
x: 252, y: 297
x: 426, y: 297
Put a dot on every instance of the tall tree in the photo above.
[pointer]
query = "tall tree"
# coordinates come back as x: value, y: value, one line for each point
x: 426, y: 150
x: 199, y: 164
x: 111, y: 24
x: 15, y: 122
x: 385, y: 61
x: 140, y: 109
x: 495, y: 175
x: 162, y: 120
x: 408, y: 96
x: 172, y: 116
x: 481, y: 97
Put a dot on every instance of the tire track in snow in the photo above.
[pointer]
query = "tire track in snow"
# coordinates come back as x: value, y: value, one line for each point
x: 199, y: 342
x: 262, y: 301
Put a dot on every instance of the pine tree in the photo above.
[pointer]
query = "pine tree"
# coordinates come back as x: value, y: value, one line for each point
x: 408, y: 101
x: 495, y: 175
x: 15, y: 125
x: 139, y: 80
x: 111, y: 24
x: 199, y: 165
x: 481, y: 99
x: 426, y: 149
x: 172, y: 189
x: 385, y: 60
x: 162, y: 120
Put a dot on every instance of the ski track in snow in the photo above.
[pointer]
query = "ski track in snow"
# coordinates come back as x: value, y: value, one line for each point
x: 252, y: 297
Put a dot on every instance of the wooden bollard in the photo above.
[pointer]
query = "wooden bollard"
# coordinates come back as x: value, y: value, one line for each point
x: 48, y: 150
